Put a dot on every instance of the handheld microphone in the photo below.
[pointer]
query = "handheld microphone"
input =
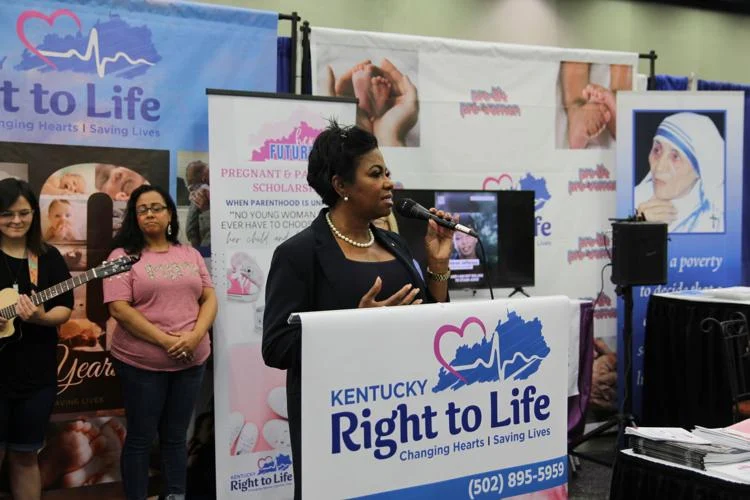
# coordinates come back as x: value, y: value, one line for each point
x: 413, y: 210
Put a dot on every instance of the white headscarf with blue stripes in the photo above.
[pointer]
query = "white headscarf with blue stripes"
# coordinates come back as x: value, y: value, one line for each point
x: 696, y: 136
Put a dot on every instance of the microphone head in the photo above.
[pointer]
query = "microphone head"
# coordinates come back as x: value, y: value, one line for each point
x: 404, y: 207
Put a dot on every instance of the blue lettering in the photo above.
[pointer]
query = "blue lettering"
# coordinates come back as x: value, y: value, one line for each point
x: 542, y: 403
x: 349, y: 396
x: 362, y: 394
x: 338, y: 434
x: 524, y: 402
x: 351, y: 433
x: 336, y: 398
x: 410, y: 389
x: 38, y: 92
x: 406, y: 419
x: 129, y: 107
x: 91, y: 100
x: 428, y: 414
x: 396, y: 387
x: 545, y: 228
x: 149, y: 108
x: 465, y: 418
x: 367, y: 428
x: 495, y: 413
x: 384, y: 428
x: 522, y: 409
x: 7, y: 90
x: 55, y: 104
x: 451, y: 412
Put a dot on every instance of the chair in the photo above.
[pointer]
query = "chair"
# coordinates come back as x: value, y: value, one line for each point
x: 736, y: 337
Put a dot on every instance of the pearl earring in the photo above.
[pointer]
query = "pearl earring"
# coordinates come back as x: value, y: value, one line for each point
x: 346, y: 198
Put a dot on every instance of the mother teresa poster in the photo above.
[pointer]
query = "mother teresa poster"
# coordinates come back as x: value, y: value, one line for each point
x: 680, y: 169
x: 680, y: 162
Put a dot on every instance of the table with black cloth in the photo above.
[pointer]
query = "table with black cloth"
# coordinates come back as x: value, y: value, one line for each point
x: 685, y: 383
x: 637, y: 477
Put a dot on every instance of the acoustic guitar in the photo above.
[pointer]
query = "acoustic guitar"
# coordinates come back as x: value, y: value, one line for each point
x: 9, y: 296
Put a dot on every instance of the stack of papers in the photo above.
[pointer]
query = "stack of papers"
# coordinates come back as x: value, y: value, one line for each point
x: 727, y: 436
x: 677, y: 434
x: 697, y: 450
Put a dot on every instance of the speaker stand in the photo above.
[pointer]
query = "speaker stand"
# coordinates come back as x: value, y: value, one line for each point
x: 518, y: 289
x: 624, y: 418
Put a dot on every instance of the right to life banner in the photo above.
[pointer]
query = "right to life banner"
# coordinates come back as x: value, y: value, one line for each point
x: 465, y: 400
x: 258, y: 144
x: 679, y: 161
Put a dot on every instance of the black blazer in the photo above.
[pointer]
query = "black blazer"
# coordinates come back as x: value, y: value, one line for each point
x: 300, y: 280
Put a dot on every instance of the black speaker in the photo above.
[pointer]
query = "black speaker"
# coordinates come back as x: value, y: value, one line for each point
x: 639, y: 253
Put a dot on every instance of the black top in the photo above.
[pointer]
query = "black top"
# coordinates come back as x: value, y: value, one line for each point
x: 356, y: 278
x: 30, y: 363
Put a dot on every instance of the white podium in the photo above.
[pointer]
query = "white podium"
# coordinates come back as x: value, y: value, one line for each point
x: 460, y: 400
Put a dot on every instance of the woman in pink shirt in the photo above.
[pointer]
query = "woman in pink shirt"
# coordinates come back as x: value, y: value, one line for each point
x: 164, y: 307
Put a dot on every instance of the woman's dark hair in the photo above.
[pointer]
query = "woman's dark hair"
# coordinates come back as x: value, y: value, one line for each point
x: 12, y: 189
x: 335, y: 152
x: 130, y: 237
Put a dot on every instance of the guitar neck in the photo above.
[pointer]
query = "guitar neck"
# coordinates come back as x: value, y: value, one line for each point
x: 53, y: 291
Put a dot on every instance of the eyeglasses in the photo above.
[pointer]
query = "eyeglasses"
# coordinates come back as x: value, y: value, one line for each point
x: 155, y: 209
x: 10, y: 215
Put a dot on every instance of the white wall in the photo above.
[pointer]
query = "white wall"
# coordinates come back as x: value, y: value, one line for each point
x: 713, y: 45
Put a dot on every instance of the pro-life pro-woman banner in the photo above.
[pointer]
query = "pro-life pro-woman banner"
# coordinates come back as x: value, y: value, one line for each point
x: 679, y: 161
x: 258, y: 146
x: 489, y: 116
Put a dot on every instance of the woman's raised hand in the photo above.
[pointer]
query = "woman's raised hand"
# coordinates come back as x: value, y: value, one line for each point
x: 405, y: 296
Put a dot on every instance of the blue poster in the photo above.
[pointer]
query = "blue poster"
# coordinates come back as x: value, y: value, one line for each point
x: 96, y: 99
x: 127, y: 74
x: 679, y: 161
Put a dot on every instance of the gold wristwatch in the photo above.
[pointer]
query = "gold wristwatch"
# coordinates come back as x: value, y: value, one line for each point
x: 438, y: 276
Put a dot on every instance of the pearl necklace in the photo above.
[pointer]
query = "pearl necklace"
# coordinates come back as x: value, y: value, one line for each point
x: 346, y: 238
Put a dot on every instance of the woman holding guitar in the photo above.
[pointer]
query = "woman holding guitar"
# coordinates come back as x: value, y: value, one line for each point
x: 164, y: 307
x: 28, y: 358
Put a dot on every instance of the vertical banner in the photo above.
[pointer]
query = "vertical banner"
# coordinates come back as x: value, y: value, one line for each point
x: 680, y: 162
x: 259, y: 144
x: 453, y: 114
x: 96, y: 99
x: 471, y: 402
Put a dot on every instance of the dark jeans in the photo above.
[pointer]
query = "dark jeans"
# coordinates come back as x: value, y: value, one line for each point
x: 160, y: 402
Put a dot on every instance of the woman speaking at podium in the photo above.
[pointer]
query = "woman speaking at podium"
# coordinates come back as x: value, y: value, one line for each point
x: 342, y: 261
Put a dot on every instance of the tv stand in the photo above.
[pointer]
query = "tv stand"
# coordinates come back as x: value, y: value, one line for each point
x: 518, y: 289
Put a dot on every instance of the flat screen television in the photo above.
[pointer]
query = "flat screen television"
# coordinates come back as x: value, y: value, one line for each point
x: 504, y: 221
